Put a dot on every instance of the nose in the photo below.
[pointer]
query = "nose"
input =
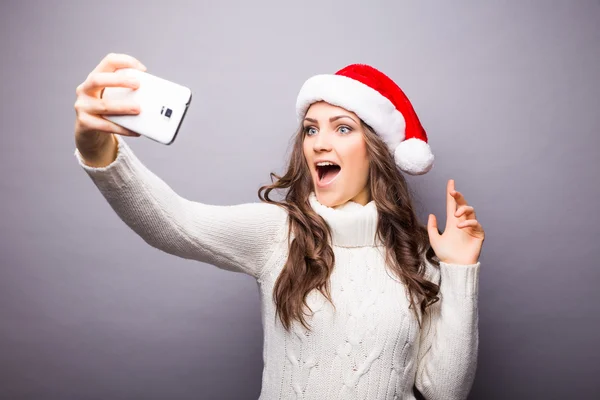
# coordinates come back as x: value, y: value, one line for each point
x: 321, y: 142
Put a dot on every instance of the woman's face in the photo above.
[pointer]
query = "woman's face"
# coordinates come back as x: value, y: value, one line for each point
x: 335, y: 134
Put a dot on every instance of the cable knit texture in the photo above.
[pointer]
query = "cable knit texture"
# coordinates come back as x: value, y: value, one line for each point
x: 370, y: 347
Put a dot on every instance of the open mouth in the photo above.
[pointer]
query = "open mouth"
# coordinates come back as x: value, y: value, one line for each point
x: 327, y: 173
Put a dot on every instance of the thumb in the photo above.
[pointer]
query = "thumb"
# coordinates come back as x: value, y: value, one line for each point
x: 432, y: 229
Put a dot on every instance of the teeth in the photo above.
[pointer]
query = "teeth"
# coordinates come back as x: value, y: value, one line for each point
x: 320, y: 164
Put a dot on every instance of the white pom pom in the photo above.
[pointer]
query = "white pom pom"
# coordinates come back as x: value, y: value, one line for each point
x: 414, y: 156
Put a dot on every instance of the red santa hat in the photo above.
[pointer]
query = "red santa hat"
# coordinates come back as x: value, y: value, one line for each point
x: 380, y: 103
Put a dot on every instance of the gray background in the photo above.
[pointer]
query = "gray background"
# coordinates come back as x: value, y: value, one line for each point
x: 508, y: 93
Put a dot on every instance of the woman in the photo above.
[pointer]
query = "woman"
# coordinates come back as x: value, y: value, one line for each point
x: 358, y: 299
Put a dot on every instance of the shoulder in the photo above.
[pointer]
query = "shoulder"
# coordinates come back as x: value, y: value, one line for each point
x: 267, y: 211
x: 269, y: 216
x: 256, y: 210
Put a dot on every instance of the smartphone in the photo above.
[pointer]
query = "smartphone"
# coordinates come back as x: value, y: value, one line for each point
x: 163, y: 105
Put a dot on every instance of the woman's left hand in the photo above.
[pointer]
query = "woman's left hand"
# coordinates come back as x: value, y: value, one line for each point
x: 463, y: 237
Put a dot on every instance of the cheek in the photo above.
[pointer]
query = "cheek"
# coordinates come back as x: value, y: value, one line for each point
x: 305, y: 150
x: 357, y: 159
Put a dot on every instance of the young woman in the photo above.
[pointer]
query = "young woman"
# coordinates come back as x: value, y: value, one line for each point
x: 359, y: 300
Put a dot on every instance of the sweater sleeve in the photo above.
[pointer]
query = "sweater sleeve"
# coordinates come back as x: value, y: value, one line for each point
x: 237, y: 238
x: 449, y: 338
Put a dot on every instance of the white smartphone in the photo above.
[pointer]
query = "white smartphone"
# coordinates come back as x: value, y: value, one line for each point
x: 163, y: 105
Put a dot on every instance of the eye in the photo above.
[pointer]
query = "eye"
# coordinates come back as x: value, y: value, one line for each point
x: 345, y: 129
x: 309, y: 129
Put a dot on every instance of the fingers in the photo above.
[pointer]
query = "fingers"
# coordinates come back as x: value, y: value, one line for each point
x: 450, y: 201
x: 474, y: 228
x: 114, y: 61
x: 432, y: 229
x: 97, y: 123
x: 467, y: 211
x: 468, y: 223
x: 459, y: 198
x: 100, y: 80
x: 103, y: 75
x: 92, y: 105
x: 454, y: 198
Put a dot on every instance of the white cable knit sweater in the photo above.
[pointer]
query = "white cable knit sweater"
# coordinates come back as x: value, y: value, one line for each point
x: 371, y: 348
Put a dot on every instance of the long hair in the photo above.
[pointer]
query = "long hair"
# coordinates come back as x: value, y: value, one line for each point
x: 311, y: 258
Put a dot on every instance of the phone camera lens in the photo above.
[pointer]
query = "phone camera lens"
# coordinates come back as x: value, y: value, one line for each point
x: 168, y: 113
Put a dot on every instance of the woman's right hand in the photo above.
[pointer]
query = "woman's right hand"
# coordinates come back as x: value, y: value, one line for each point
x: 91, y: 130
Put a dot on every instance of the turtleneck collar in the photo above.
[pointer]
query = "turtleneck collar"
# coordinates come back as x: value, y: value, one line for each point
x: 352, y: 224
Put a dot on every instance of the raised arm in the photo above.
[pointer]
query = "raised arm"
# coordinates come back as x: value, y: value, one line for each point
x: 449, y: 340
x: 237, y: 238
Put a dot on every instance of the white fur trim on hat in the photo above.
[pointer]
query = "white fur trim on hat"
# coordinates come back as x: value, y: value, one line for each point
x: 371, y: 106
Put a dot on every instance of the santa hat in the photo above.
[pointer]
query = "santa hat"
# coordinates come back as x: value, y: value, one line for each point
x: 380, y: 103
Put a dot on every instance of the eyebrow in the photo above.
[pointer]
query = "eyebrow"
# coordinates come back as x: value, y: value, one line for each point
x: 335, y: 118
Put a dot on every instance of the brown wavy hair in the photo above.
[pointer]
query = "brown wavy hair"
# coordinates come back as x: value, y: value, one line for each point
x: 311, y: 258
